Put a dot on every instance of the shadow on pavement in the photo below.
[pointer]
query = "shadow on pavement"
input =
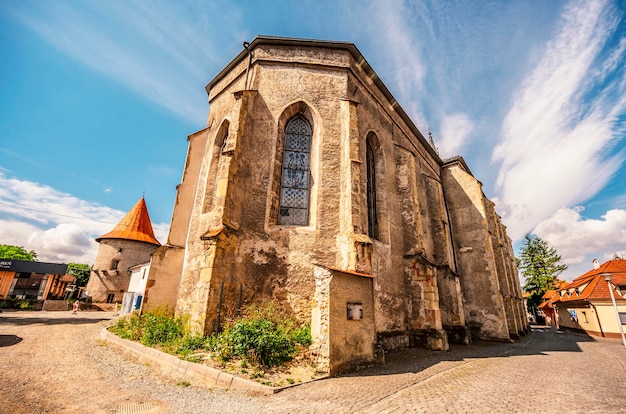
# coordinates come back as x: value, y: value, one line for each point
x: 9, y: 340
x: 42, y: 320
x: 539, y: 341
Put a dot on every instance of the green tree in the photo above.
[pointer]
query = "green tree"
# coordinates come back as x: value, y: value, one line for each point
x: 539, y: 264
x: 8, y: 251
x: 80, y: 271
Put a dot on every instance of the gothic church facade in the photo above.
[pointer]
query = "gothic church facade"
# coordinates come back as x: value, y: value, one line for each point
x: 311, y: 187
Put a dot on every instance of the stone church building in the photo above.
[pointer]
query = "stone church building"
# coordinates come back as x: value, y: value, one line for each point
x: 311, y: 187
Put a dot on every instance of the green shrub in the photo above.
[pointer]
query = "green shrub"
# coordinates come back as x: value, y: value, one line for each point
x: 151, y: 329
x: 264, y: 336
x: 12, y: 303
x: 302, y: 336
x: 158, y: 329
x: 190, y: 343
x: 128, y: 327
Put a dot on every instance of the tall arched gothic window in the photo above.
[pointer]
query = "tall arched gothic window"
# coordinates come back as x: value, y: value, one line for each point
x: 372, y: 215
x: 219, y: 145
x: 295, y: 178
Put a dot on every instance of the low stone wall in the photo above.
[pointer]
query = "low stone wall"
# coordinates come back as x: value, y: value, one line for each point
x: 55, y: 305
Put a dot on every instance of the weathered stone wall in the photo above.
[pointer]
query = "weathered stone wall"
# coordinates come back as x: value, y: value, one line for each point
x: 238, y: 194
x: 167, y: 260
x: 507, y: 274
x: 342, y: 343
x: 271, y: 262
x: 482, y: 300
x: 104, y: 280
x: 437, y: 262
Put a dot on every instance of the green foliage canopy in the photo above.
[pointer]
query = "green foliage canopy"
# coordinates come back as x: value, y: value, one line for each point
x: 8, y: 251
x: 539, y: 264
x: 80, y: 271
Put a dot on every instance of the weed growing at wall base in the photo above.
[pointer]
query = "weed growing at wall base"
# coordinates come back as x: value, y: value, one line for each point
x: 263, y: 337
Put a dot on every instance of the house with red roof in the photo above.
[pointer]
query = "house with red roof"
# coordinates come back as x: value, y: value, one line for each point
x: 585, y: 304
x: 547, y: 307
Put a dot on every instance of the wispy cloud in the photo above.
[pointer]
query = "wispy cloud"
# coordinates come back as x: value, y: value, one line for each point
x: 455, y: 130
x: 404, y: 62
x: 579, y: 240
x: 556, y: 135
x: 57, y: 225
x: 161, y: 51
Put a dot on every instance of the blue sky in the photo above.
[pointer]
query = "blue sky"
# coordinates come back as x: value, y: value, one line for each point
x: 98, y: 98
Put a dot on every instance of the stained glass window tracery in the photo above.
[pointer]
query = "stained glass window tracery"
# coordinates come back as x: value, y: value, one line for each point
x: 296, y: 166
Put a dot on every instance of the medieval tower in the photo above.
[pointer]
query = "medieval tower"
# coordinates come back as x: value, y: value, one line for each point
x: 131, y: 242
x: 312, y: 188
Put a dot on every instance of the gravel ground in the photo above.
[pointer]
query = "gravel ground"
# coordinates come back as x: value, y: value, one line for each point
x: 54, y: 362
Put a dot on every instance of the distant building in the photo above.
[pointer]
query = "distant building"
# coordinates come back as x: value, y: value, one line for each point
x: 547, y: 308
x: 585, y: 305
x: 312, y: 188
x: 138, y: 279
x: 33, y: 280
x: 131, y: 242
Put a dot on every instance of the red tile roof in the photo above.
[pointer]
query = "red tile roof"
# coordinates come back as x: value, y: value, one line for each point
x: 135, y: 225
x: 592, y: 285
x: 549, y: 298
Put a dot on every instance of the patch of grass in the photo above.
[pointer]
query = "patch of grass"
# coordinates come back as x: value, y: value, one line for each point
x: 183, y: 383
x: 263, y: 338
x: 22, y: 304
x: 154, y: 329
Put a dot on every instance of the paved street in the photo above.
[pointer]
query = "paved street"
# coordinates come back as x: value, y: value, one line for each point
x: 53, y: 362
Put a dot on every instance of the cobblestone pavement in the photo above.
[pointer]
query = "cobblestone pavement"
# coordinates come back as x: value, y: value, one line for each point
x: 52, y: 362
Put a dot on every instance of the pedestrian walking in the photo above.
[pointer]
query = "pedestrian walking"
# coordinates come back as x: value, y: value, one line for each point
x: 76, y: 307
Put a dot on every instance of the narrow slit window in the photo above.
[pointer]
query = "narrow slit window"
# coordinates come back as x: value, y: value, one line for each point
x: 372, y: 214
x: 296, y: 171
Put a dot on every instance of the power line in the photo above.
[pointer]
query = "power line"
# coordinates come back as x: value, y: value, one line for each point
x: 66, y: 216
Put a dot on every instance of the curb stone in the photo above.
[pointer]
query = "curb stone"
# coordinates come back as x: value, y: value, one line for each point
x: 203, y: 374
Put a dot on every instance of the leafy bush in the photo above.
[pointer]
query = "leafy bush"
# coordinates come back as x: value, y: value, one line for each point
x: 128, y: 327
x: 24, y: 304
x: 302, y: 336
x: 264, y: 336
x: 158, y: 329
x: 151, y: 329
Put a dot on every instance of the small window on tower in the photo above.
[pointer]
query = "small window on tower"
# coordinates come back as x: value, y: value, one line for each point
x: 114, y: 264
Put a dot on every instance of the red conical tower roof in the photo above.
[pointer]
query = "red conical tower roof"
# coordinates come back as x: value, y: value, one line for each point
x: 135, y: 225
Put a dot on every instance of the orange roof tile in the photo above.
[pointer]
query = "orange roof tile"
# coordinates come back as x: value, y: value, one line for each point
x: 135, y: 225
x: 592, y: 285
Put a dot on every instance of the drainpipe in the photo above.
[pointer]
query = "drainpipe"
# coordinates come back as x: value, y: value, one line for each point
x: 597, y: 318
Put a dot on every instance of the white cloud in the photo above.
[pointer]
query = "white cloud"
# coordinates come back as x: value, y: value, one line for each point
x: 455, y: 131
x: 402, y: 54
x: 556, y: 134
x: 579, y: 240
x: 57, y: 225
